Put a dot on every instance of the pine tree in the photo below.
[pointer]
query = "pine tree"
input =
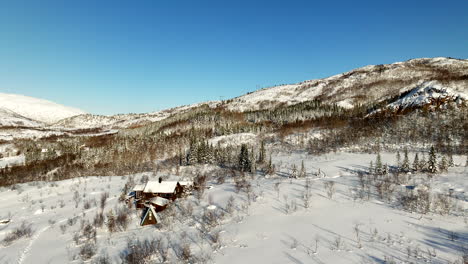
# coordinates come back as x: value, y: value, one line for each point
x: 302, y: 173
x: 371, y: 167
x: 253, y: 163
x: 432, y: 163
x: 244, y: 162
x: 261, y: 153
x: 378, y: 165
x: 422, y: 163
x: 293, y: 171
x: 443, y: 165
x: 405, y: 165
x: 398, y: 159
x: 450, y: 160
x: 385, y: 169
x: 416, y: 163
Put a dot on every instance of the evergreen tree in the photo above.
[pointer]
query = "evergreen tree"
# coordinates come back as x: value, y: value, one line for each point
x: 416, y: 163
x: 261, y: 153
x: 422, y: 163
x: 378, y: 165
x: 450, y: 160
x: 244, y: 161
x: 432, y: 163
x: 405, y: 166
x: 271, y: 167
x: 443, y: 165
x: 398, y: 159
x: 253, y: 163
x: 385, y: 169
x: 302, y: 173
x: 371, y: 167
x: 293, y: 171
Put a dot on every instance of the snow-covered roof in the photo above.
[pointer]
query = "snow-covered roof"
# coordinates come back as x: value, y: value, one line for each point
x: 160, y: 187
x: 186, y: 183
x: 159, y: 201
x: 139, y: 188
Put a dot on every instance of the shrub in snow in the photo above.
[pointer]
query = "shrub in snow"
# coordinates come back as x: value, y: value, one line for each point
x: 24, y: 230
x: 140, y: 252
x: 88, y: 250
x: 330, y: 188
x: 103, y: 200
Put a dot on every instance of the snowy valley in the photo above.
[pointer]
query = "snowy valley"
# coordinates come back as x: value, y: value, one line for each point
x: 368, y: 166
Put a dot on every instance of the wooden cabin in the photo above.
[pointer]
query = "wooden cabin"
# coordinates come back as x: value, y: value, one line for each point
x: 149, y: 216
x: 165, y: 189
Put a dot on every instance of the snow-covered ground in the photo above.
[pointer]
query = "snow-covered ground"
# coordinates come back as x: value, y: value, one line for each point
x: 233, y: 139
x: 261, y: 229
x: 10, y: 161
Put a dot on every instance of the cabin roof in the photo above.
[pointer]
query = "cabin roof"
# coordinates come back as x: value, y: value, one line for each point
x: 185, y: 183
x: 159, y: 201
x: 139, y: 188
x: 148, y: 209
x: 160, y: 187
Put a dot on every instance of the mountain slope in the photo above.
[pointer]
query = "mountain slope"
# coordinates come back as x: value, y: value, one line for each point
x: 364, y: 85
x: 36, y: 109
x: 11, y: 119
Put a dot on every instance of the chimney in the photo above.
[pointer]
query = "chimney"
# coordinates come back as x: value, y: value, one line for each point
x: 160, y: 179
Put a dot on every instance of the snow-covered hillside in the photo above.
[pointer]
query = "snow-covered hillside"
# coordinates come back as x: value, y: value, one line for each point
x: 11, y: 119
x: 35, y: 109
x: 372, y: 83
x: 125, y: 120
x: 419, y: 79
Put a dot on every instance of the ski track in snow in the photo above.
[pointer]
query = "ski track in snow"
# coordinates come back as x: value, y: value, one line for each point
x: 24, y: 253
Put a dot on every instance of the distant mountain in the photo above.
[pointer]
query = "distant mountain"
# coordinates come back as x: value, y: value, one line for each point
x: 20, y: 110
x: 11, y: 119
x: 370, y: 84
x: 393, y: 87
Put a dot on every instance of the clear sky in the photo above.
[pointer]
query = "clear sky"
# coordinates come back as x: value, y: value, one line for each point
x: 109, y: 57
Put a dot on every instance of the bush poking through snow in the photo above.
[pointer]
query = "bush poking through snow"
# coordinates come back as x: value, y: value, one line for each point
x: 330, y: 188
x: 24, y: 230
x: 103, y: 200
x: 140, y: 252
x: 88, y: 250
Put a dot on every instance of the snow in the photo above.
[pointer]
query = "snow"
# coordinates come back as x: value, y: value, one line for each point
x: 346, y: 89
x: 426, y: 93
x: 9, y: 118
x: 11, y: 161
x: 36, y: 109
x: 261, y: 232
x: 159, y: 201
x: 160, y: 187
x: 139, y: 187
x: 233, y: 139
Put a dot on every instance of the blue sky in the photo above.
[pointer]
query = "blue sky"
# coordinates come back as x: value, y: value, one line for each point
x: 109, y: 57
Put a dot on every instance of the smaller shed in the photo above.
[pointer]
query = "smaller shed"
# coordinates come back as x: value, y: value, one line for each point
x: 149, y: 216
x: 159, y: 203
x: 138, y: 189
